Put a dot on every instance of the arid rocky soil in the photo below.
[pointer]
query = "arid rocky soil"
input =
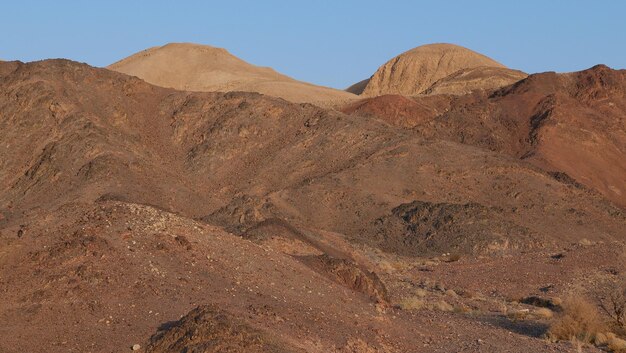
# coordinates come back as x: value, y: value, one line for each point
x: 176, y: 221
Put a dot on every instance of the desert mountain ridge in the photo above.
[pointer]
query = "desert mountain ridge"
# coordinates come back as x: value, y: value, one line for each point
x: 571, y: 123
x: 194, y: 67
x: 436, y: 68
x: 428, y: 69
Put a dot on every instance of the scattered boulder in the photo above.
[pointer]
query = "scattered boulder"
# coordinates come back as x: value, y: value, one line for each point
x: 207, y: 329
x: 422, y: 228
x: 348, y: 273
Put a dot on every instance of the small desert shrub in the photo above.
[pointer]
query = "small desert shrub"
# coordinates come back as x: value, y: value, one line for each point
x: 420, y: 292
x: 516, y: 315
x: 464, y: 293
x: 600, y: 339
x: 500, y: 307
x: 610, y: 341
x: 614, y: 305
x: 454, y: 257
x: 442, y: 305
x: 411, y: 303
x: 430, y: 263
x: 451, y: 293
x: 357, y: 345
x: 440, y: 287
x: 385, y: 266
x: 462, y: 309
x: 543, y: 313
x: 615, y: 344
x: 578, y: 320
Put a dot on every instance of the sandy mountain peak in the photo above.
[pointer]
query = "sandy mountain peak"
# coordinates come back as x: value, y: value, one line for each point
x: 415, y: 71
x: 195, y: 67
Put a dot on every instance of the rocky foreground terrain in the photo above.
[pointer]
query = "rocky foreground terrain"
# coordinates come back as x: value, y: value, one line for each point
x: 138, y: 217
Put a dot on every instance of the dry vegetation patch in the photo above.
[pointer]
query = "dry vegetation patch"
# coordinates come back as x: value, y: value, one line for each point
x: 579, y: 320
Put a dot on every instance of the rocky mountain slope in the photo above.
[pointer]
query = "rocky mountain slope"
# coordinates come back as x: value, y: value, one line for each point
x: 130, y: 212
x: 563, y: 123
x: 478, y: 78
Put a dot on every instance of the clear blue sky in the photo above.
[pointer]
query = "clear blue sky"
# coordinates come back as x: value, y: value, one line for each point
x: 332, y: 43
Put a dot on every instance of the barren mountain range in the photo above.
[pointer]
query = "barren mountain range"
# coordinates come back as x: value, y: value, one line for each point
x: 183, y: 200
x: 563, y: 123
